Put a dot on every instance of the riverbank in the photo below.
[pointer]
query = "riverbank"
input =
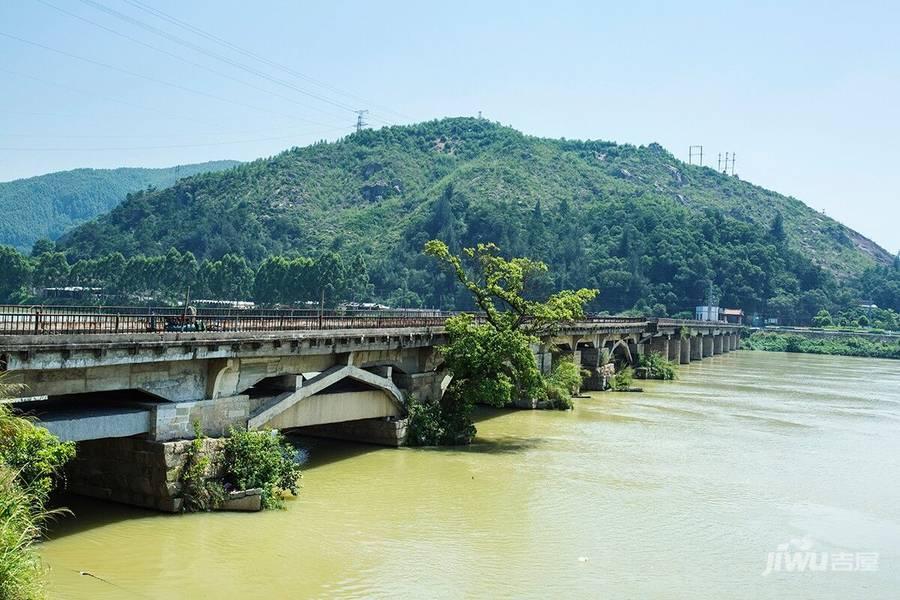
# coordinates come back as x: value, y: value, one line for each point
x: 837, y: 346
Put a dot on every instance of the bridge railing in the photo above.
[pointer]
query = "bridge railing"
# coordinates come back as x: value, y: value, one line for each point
x: 63, y: 320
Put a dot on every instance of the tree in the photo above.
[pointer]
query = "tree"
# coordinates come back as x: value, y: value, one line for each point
x: 491, y: 360
x: 822, y: 319
x: 776, y: 231
x: 42, y: 246
x: 16, y: 272
x: 51, y: 270
x: 329, y: 278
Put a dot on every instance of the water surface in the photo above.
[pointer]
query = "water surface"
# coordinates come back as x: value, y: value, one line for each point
x: 679, y: 492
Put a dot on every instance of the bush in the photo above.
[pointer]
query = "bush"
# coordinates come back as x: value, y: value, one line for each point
x: 20, y: 528
x: 822, y: 319
x: 35, y: 454
x: 563, y: 383
x: 447, y: 422
x: 31, y: 459
x: 623, y: 379
x: 657, y: 367
x: 198, y: 492
x: 262, y: 459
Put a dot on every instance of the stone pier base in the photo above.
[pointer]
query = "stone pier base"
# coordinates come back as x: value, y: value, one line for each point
x: 135, y: 471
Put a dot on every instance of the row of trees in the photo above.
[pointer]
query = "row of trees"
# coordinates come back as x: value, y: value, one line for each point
x: 165, y: 278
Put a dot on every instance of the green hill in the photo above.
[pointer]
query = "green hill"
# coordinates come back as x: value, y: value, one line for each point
x: 644, y: 227
x: 48, y: 205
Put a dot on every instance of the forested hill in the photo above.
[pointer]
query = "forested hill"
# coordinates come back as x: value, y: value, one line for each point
x: 643, y: 227
x: 48, y: 205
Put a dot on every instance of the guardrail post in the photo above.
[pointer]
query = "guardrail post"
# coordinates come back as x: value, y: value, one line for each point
x: 117, y: 322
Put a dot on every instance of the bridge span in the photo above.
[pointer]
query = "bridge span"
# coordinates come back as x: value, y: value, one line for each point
x: 147, y: 375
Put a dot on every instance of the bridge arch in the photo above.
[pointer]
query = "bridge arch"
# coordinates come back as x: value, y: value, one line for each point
x: 311, y: 404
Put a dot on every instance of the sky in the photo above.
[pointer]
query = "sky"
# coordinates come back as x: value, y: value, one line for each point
x: 807, y: 94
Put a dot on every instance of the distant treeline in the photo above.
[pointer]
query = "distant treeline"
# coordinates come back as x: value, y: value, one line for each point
x: 165, y: 279
x: 843, y: 346
x: 349, y: 276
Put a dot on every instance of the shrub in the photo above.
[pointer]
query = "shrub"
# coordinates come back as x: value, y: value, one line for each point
x: 198, y: 492
x: 35, y: 454
x: 822, y: 319
x: 657, y: 367
x: 30, y: 460
x: 447, y: 422
x: 425, y: 427
x: 20, y: 528
x: 265, y: 460
x: 623, y: 379
x: 563, y: 383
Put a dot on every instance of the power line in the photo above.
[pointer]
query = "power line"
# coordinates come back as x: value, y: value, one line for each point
x: 147, y: 77
x: 110, y: 98
x: 161, y: 147
x: 184, y: 25
x: 219, y: 57
x: 177, y: 57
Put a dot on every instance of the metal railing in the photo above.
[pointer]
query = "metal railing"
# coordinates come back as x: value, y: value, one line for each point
x: 70, y: 320
x: 63, y: 320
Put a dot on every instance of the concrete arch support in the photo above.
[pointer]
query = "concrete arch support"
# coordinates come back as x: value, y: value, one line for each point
x: 268, y: 414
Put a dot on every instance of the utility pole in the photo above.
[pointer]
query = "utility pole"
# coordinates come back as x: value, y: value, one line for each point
x: 360, y: 122
x: 695, y: 151
x: 719, y: 163
x: 733, y: 154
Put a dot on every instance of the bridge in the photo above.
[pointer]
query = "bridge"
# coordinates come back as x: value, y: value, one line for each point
x: 125, y: 380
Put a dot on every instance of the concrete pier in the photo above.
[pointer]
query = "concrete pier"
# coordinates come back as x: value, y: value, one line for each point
x: 684, y: 355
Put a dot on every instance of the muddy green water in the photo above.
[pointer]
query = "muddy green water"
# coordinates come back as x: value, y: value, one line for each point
x: 679, y: 492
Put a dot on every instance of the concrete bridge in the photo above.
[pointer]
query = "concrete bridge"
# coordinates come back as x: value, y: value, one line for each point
x: 95, y: 376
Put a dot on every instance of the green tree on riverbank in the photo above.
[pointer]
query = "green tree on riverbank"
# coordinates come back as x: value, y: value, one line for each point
x: 490, y: 359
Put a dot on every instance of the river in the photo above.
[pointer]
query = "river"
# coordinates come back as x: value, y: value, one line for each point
x: 680, y: 492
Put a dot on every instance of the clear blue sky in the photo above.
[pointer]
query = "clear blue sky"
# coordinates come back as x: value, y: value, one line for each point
x: 806, y: 93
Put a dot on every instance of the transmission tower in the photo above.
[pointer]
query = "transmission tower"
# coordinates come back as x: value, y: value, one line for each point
x: 695, y: 151
x: 360, y: 121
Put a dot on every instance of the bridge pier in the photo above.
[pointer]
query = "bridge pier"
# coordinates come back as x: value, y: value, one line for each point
x: 660, y: 345
x: 717, y: 343
x: 696, y: 347
x: 684, y: 356
x: 707, y: 345
x: 674, y: 349
x: 590, y: 361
